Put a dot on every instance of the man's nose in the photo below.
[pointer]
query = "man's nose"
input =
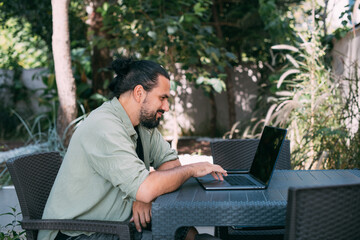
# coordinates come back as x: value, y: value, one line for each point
x: 165, y: 105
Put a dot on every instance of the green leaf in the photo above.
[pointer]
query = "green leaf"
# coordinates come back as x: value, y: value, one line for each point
x: 230, y: 55
x: 51, y: 81
x: 198, y: 9
x: 152, y: 35
x: 285, y: 74
x: 222, y: 75
x: 171, y: 29
x: 292, y: 60
x: 284, y: 93
x: 174, y: 85
x: 217, y: 85
x: 189, y: 76
x: 98, y: 96
x: 214, y: 56
x: 200, y: 80
x: 189, y: 18
x: 205, y: 60
x: 285, y: 47
x: 11, y: 214
x: 106, y: 6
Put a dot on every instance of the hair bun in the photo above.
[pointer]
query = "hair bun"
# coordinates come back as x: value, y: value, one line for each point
x: 121, y: 66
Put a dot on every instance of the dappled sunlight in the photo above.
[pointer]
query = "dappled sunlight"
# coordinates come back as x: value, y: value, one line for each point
x: 190, y: 108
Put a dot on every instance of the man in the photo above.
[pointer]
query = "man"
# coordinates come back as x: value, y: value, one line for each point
x: 105, y: 173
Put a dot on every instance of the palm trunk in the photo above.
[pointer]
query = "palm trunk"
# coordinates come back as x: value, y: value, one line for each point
x: 65, y: 81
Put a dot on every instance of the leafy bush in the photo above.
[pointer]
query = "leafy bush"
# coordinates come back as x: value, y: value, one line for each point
x: 8, y: 231
x: 312, y: 105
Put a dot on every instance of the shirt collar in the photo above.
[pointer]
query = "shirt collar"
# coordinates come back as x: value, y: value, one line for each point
x: 121, y: 113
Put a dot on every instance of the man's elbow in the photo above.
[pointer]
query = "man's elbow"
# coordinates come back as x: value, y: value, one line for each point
x: 146, y: 194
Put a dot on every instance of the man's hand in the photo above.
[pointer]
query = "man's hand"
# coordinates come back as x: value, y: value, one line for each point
x: 141, y: 214
x: 203, y: 168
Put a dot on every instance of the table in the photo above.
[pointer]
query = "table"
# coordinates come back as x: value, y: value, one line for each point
x: 191, y: 205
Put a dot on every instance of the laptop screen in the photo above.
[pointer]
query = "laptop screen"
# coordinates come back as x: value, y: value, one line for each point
x: 267, y: 153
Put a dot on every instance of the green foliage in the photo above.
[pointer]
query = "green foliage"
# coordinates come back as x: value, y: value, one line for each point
x: 347, y: 14
x: 36, y: 15
x: 41, y: 130
x: 13, y: 85
x: 8, y: 231
x: 215, y: 84
x: 319, y: 109
x: 310, y: 104
x: 251, y: 29
x: 40, y: 136
x: 81, y: 66
x: 8, y: 123
x: 18, y: 45
x: 157, y: 30
x: 347, y: 22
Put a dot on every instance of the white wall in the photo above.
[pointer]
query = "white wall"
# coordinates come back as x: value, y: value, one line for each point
x: 346, y: 61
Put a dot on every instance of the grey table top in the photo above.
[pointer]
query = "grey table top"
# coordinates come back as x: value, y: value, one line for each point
x: 191, y: 205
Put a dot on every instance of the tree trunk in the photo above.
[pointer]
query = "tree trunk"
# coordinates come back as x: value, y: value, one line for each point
x: 65, y: 81
x: 228, y: 82
x: 213, y: 121
x: 100, y: 57
x: 230, y: 96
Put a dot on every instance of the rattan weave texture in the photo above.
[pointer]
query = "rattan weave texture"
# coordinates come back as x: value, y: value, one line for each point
x: 330, y: 212
x: 191, y: 205
x: 33, y: 176
x: 239, y: 153
x: 35, y: 190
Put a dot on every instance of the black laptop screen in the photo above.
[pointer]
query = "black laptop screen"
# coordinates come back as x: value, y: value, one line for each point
x: 267, y: 153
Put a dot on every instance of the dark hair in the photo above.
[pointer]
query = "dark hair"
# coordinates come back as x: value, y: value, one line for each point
x: 130, y: 73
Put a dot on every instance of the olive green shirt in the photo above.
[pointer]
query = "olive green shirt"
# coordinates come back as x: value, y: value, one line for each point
x: 101, y: 172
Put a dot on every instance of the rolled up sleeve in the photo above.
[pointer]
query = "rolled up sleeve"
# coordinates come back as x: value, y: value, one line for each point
x: 160, y: 151
x: 117, y: 161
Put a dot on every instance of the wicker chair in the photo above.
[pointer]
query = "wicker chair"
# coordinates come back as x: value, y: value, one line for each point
x: 323, y: 212
x: 239, y: 154
x: 33, y: 176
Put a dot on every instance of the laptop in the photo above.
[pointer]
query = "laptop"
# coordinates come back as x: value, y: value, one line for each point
x: 261, y: 169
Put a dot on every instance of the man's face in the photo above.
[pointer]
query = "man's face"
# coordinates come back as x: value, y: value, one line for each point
x: 155, y: 104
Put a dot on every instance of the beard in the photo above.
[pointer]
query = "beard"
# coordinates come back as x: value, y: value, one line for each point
x: 148, y: 119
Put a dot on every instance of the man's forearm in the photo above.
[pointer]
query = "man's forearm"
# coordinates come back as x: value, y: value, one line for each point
x: 169, y: 165
x: 160, y: 182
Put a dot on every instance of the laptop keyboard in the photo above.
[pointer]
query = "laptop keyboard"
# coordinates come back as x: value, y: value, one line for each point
x: 239, y: 180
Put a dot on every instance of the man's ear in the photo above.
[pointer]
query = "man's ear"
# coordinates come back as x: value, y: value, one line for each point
x: 139, y: 93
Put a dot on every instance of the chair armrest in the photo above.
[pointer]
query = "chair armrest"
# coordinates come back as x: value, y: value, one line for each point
x: 123, y: 229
